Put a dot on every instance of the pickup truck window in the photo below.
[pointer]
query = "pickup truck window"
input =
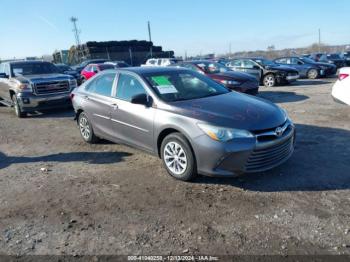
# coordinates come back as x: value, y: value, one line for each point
x: 35, y: 68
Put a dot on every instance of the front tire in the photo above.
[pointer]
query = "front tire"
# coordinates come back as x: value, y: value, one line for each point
x: 178, y: 158
x: 312, y: 74
x: 18, y: 110
x: 86, y: 130
x: 269, y: 80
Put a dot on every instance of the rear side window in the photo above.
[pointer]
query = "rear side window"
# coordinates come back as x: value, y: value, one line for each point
x: 128, y: 86
x: 236, y: 63
x: 102, y: 85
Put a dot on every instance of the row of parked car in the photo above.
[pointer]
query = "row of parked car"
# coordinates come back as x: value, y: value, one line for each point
x: 184, y: 112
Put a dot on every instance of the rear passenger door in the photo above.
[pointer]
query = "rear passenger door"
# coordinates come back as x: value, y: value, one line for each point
x: 98, y: 103
x: 132, y: 123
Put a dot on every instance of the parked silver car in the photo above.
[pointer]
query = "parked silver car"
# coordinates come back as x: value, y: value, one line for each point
x: 194, y: 124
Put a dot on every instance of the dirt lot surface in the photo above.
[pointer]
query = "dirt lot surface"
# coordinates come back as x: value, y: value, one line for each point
x: 59, y: 195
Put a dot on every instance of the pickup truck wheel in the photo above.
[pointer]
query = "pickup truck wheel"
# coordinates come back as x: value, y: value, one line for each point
x: 312, y: 74
x: 178, y: 157
x: 86, y: 130
x: 18, y: 111
x: 269, y: 80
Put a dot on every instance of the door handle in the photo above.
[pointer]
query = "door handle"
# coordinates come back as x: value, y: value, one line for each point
x: 86, y: 97
x: 114, y: 106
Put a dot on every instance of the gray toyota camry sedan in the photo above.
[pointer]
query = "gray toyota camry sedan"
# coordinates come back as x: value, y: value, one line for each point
x: 194, y: 124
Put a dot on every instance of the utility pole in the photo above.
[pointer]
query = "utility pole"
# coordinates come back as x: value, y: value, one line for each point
x: 150, y: 36
x: 319, y: 40
x: 76, y: 32
x: 230, y: 49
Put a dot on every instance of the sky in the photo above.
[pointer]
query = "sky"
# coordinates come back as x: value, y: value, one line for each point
x: 38, y: 27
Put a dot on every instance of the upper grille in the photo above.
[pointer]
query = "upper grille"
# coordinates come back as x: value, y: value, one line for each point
x: 51, y: 87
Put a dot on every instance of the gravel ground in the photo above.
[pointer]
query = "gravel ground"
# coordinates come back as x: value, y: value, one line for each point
x: 59, y: 195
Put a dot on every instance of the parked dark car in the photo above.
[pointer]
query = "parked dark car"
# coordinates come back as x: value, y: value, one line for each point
x: 316, y: 56
x: 194, y: 124
x: 346, y: 56
x: 240, y: 82
x: 83, y: 64
x: 265, y: 71
x: 334, y: 58
x: 307, y: 67
x: 31, y: 86
x: 67, y: 70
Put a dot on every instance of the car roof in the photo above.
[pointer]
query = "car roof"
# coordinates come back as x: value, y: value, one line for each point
x: 150, y: 70
x: 197, y: 61
x: 27, y: 62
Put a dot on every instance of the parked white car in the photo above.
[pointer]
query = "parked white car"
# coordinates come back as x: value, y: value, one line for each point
x: 161, y: 62
x: 341, y: 89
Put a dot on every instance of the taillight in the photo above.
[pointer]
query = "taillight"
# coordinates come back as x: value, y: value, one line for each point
x: 342, y: 76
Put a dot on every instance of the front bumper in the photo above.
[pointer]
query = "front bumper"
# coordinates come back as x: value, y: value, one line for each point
x: 245, y: 155
x: 30, y: 103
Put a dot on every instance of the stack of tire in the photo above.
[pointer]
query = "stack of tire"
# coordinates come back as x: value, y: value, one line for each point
x: 133, y: 52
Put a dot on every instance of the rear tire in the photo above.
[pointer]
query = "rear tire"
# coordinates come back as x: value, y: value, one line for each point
x: 178, y: 158
x: 269, y: 80
x: 18, y: 111
x: 312, y: 74
x: 86, y: 130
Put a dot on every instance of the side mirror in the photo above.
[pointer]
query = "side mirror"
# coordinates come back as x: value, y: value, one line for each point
x: 256, y: 67
x: 3, y: 75
x: 141, y: 99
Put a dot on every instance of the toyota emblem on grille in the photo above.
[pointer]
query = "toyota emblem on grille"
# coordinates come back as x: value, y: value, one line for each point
x: 279, y: 131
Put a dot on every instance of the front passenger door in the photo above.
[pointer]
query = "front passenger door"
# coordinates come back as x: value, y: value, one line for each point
x: 132, y: 123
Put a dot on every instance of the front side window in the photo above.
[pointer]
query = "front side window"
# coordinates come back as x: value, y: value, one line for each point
x: 249, y: 64
x: 183, y: 85
x: 128, y: 86
x: 102, y: 85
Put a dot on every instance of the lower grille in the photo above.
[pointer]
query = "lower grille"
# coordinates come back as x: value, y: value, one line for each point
x: 265, y: 158
x: 51, y: 87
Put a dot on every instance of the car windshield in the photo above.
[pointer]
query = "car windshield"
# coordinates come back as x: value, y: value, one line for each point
x: 183, y: 85
x: 33, y: 68
x: 63, y: 68
x: 265, y: 62
x: 334, y: 56
x: 307, y: 60
x: 122, y: 64
x: 212, y: 67
x: 106, y: 66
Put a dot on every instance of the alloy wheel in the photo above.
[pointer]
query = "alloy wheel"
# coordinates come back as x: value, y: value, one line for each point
x: 175, y: 158
x: 84, y: 128
x: 269, y: 81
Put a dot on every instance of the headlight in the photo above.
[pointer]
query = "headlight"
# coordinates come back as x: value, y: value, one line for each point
x: 224, y: 134
x: 26, y: 87
x: 230, y: 82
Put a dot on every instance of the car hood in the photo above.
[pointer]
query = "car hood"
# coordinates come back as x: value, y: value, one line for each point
x: 48, y: 77
x: 324, y: 64
x: 237, y: 76
x: 281, y: 68
x: 233, y: 110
